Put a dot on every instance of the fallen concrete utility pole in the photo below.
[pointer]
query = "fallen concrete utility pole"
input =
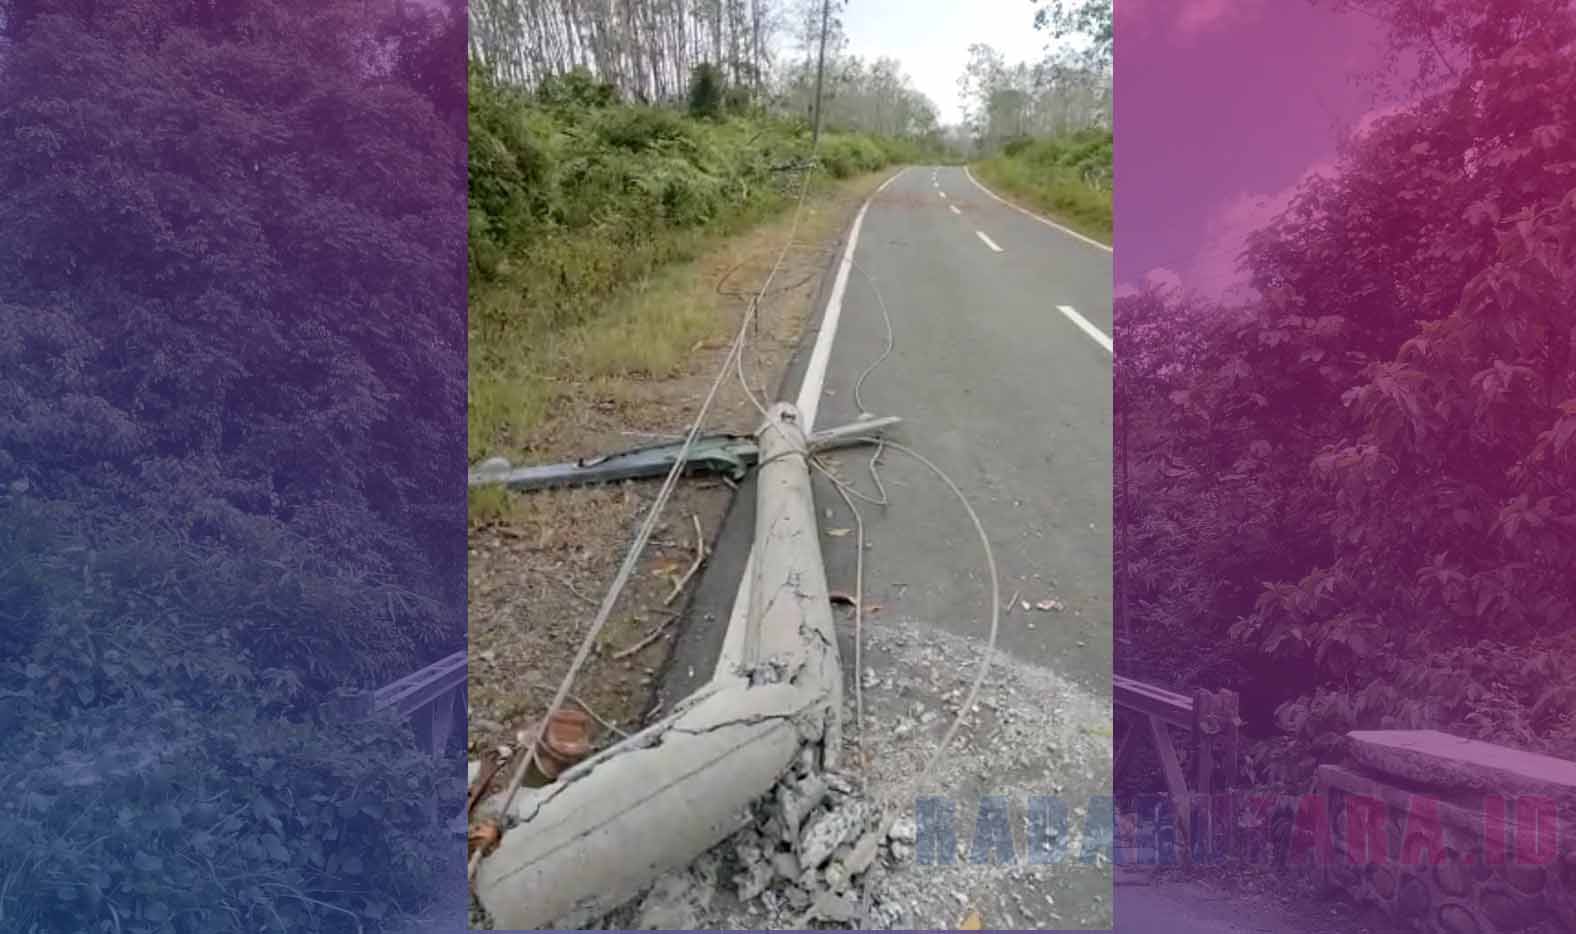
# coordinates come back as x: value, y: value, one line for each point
x: 730, y: 455
x: 612, y: 825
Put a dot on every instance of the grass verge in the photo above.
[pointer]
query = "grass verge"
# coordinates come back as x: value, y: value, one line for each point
x: 1066, y: 178
x: 643, y: 360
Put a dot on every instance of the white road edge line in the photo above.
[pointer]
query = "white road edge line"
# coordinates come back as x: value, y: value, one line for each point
x: 1084, y: 325
x: 954, y: 209
x: 989, y: 242
x: 808, y: 403
x: 1048, y: 223
x: 815, y: 372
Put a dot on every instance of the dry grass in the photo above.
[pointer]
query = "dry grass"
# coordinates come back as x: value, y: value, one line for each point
x: 636, y: 363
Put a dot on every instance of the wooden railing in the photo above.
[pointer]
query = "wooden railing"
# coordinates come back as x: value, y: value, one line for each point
x: 1211, y: 722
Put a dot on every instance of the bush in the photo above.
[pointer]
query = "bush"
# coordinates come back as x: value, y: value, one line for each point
x: 705, y: 91
x: 737, y: 100
x: 234, y: 820
x: 846, y: 155
x: 224, y: 433
x: 579, y: 88
x: 1068, y: 176
x: 573, y: 200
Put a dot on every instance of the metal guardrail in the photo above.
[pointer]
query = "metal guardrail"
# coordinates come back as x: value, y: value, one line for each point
x: 1169, y: 706
x: 420, y: 688
x: 433, y: 698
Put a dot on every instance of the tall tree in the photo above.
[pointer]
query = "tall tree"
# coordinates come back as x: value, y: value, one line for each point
x: 1386, y: 432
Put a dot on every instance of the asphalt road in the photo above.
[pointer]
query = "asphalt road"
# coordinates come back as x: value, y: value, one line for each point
x: 1003, y: 391
x: 1001, y: 388
x: 1010, y: 395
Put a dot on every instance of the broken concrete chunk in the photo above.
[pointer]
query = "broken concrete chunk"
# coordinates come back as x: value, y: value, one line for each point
x: 773, y: 829
x: 904, y: 830
x: 749, y: 848
x: 836, y: 876
x: 826, y: 832
x: 839, y: 783
x: 674, y: 903
x: 753, y: 880
x: 832, y: 907
x: 786, y: 865
x: 863, y: 853
x: 795, y: 802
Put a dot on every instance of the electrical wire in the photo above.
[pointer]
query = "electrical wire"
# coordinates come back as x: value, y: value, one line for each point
x: 647, y: 527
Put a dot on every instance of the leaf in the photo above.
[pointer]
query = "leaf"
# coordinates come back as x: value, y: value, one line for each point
x: 971, y: 921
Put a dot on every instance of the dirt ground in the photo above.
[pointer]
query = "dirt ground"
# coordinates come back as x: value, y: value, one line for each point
x: 1236, y: 900
x: 537, y: 575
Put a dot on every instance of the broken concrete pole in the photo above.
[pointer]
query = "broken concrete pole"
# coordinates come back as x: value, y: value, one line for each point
x: 614, y: 824
x: 610, y: 827
x: 789, y: 634
x: 731, y: 660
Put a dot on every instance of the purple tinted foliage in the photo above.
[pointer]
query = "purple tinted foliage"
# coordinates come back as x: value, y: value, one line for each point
x: 1351, y: 495
x: 232, y: 347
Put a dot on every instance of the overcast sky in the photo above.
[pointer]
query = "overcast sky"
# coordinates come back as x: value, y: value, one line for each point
x: 932, y: 37
x: 1222, y: 108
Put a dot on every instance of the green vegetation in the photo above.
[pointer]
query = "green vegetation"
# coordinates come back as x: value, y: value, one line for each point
x: 579, y: 201
x: 1348, y: 496
x: 1068, y: 177
x: 227, y: 431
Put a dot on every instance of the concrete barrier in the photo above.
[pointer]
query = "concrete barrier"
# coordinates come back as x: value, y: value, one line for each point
x: 1450, y: 835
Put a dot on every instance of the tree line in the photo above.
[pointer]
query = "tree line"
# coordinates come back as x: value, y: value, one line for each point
x: 766, y: 52
x: 1350, y: 495
x: 1067, y: 90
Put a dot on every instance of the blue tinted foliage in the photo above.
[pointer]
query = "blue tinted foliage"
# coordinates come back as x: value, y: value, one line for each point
x: 232, y: 282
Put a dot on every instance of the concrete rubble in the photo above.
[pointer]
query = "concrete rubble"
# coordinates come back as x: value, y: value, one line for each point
x: 809, y: 856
